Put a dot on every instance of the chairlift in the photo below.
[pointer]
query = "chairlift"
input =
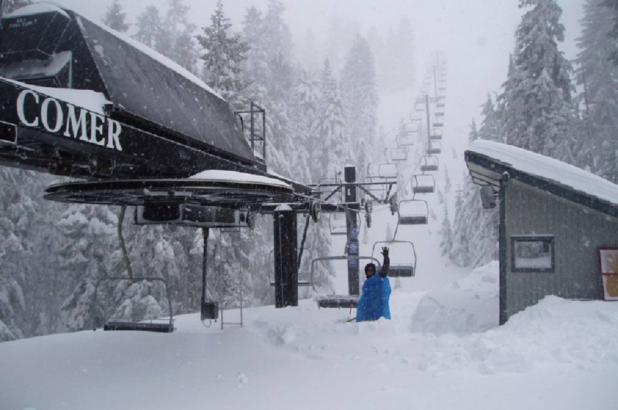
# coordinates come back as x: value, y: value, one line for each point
x: 440, y: 105
x: 398, y: 154
x: 337, y: 222
x: 439, y: 114
x: 406, y: 140
x: 413, y: 212
x: 160, y: 326
x: 382, y: 171
x: 402, y: 255
x: 435, y: 147
x: 423, y: 184
x: 429, y: 163
x: 334, y: 300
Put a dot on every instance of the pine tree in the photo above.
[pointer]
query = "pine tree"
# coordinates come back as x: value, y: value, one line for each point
x: 115, y: 17
x: 446, y: 233
x: 475, y: 230
x: 536, y: 102
x: 612, y: 9
x: 224, y: 54
x: 149, y: 27
x: 598, y: 77
x: 87, y: 233
x: 360, y: 100
x: 334, y: 148
x: 176, y: 36
x: 491, y: 126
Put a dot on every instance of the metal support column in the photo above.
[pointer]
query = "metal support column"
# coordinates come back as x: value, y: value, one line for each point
x: 286, y: 258
x: 428, y: 114
x: 352, y: 227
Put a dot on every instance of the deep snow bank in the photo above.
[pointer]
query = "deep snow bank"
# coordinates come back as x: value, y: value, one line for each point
x: 442, y: 350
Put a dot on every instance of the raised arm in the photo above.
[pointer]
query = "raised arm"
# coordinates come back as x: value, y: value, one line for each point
x: 386, y: 264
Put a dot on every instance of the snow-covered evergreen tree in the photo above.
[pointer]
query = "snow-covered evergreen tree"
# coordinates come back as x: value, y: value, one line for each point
x: 612, y: 9
x: 88, y: 239
x: 491, y: 125
x: 149, y: 27
x: 115, y: 17
x: 446, y: 233
x: 334, y: 147
x: 360, y: 100
x: 536, y: 103
x: 475, y: 230
x: 223, y: 54
x: 598, y: 77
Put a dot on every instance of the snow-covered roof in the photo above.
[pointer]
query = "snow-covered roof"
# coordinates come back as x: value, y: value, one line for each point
x: 548, y: 169
x: 87, y: 99
x: 217, y: 175
x: 36, y: 8
x: 158, y: 57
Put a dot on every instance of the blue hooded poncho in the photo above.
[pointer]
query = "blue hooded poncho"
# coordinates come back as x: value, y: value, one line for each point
x: 373, y: 303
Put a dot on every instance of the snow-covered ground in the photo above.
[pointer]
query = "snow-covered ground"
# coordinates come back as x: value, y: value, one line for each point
x: 442, y: 350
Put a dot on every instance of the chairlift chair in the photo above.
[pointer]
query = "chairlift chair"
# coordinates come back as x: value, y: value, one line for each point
x: 402, y: 255
x: 413, y: 212
x: 439, y: 114
x: 423, y: 184
x: 387, y: 171
x: 337, y: 301
x: 406, y: 140
x: 429, y: 163
x: 337, y: 222
x: 434, y: 148
x: 398, y: 154
x: 165, y: 326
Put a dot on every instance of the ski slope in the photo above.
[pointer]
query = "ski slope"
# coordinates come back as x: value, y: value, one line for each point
x: 442, y: 350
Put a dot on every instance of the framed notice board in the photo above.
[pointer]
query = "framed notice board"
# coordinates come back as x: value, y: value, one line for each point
x: 609, y: 271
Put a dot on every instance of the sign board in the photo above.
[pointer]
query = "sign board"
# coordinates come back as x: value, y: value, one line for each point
x: 609, y: 271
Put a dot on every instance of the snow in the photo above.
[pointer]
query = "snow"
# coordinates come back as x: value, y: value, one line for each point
x: 549, y: 169
x: 442, y: 350
x: 161, y: 59
x: 238, y: 177
x: 37, y: 8
x: 87, y: 99
x: 37, y: 68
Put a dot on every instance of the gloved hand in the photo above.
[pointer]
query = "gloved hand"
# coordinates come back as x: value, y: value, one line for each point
x: 385, y: 252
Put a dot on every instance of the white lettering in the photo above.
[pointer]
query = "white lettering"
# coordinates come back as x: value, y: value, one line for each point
x: 51, y: 116
x: 45, y: 115
x: 77, y: 126
x: 113, y: 133
x: 96, y: 128
x: 21, y: 102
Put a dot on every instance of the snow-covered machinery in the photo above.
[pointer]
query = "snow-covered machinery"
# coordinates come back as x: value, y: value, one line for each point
x: 78, y: 99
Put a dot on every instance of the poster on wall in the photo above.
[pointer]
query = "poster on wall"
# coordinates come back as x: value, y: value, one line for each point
x: 609, y: 270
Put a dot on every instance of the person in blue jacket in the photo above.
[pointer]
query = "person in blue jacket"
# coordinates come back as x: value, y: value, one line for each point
x: 373, y: 303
